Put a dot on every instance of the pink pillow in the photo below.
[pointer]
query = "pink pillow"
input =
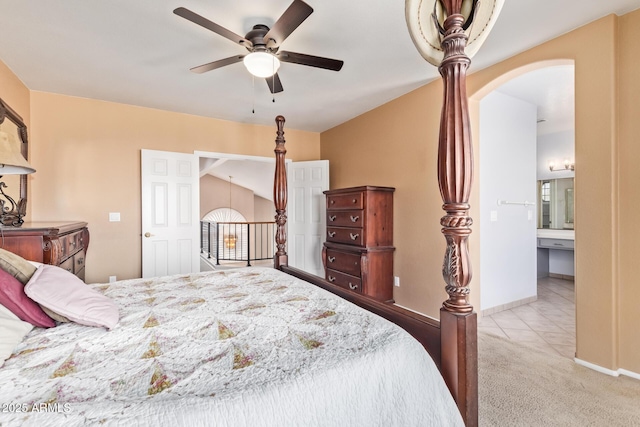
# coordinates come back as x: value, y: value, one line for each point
x: 67, y: 295
x: 13, y: 297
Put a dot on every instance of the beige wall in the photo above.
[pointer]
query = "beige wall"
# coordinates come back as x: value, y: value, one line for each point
x: 87, y: 157
x: 214, y: 194
x: 396, y: 145
x: 628, y: 157
x: 593, y: 49
x: 263, y: 209
x: 14, y: 93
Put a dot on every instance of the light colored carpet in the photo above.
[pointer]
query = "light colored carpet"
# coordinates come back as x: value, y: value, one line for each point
x: 519, y: 385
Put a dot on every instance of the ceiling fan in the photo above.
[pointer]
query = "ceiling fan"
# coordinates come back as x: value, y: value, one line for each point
x: 263, y: 44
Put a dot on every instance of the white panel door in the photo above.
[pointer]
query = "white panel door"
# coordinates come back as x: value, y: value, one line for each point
x: 306, y: 214
x: 170, y: 204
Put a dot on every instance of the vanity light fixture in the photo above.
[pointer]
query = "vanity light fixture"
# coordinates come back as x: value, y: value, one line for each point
x: 567, y: 166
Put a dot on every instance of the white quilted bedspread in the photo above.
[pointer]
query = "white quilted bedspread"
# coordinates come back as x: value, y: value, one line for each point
x: 247, y: 347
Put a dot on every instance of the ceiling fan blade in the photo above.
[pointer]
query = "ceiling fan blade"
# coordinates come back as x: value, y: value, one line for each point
x: 310, y: 60
x: 217, y: 64
x: 274, y: 83
x: 297, y: 12
x: 205, y: 23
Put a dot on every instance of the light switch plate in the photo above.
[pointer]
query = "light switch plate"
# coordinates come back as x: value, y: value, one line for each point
x: 114, y: 216
x: 494, y: 216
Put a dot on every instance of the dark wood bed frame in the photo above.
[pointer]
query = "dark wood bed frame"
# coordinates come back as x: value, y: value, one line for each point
x: 452, y: 341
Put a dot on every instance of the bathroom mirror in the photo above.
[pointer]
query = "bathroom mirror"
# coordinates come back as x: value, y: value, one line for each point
x: 555, y: 204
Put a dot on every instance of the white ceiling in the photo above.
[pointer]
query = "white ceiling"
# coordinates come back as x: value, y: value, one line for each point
x: 139, y: 52
x: 552, y: 90
x: 247, y: 172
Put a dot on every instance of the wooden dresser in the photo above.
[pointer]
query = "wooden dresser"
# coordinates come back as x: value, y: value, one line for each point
x: 57, y: 243
x: 358, y: 252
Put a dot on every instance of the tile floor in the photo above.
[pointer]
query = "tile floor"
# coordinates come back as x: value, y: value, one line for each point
x: 548, y: 323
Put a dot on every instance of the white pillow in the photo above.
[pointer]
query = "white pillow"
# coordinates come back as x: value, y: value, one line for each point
x: 12, y: 331
x: 68, y: 296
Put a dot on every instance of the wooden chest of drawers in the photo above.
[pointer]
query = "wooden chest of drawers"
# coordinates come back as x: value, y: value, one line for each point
x: 57, y: 243
x: 358, y: 252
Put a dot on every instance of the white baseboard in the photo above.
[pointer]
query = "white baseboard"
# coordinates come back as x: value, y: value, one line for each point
x: 606, y: 371
x: 629, y: 374
x: 596, y: 367
x: 508, y: 306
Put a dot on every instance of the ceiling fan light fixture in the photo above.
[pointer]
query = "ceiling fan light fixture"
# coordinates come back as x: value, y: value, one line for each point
x: 261, y: 64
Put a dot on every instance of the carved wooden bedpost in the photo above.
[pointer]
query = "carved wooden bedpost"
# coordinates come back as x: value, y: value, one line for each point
x: 280, y: 197
x: 455, y: 175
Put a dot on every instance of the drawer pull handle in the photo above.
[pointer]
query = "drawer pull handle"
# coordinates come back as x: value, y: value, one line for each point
x: 353, y: 287
x: 72, y: 243
x: 331, y: 233
x: 332, y: 218
x: 354, y: 218
x: 332, y: 258
x: 355, y: 200
x: 332, y: 201
x: 353, y: 236
x: 558, y: 244
x: 81, y: 261
x: 332, y: 279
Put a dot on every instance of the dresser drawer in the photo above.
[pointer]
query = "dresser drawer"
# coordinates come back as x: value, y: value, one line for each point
x: 345, y: 201
x: 344, y: 280
x: 345, y: 218
x: 78, y: 261
x: 74, y: 242
x: 67, y: 265
x: 556, y: 243
x: 348, y: 235
x: 71, y: 243
x: 345, y: 262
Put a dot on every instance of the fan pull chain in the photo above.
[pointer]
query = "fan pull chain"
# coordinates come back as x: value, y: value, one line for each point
x: 253, y: 87
x: 273, y: 79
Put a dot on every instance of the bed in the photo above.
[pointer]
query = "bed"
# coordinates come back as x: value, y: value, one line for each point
x: 263, y: 346
x: 245, y: 347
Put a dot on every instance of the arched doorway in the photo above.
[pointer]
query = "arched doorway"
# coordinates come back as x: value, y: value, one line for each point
x: 526, y: 120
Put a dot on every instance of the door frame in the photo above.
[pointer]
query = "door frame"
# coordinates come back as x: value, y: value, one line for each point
x: 233, y: 156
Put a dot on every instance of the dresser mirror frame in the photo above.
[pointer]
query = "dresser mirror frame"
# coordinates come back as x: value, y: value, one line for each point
x: 12, y: 123
x: 555, y: 204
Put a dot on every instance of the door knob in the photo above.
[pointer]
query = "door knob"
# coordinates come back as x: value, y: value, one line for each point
x: 147, y: 234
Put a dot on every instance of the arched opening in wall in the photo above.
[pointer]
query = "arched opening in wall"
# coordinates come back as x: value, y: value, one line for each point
x: 229, y: 232
x: 526, y: 186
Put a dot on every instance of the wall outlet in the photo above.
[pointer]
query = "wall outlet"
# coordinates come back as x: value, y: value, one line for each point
x: 112, y: 279
x: 494, y: 216
x: 396, y: 281
x: 114, y: 216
